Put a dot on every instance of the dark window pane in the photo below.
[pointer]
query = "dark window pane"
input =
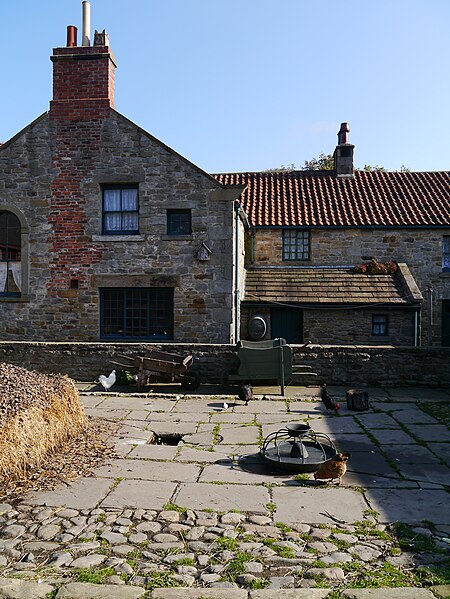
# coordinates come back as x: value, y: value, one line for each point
x: 10, y: 254
x: 379, y: 324
x: 179, y: 222
x: 137, y: 313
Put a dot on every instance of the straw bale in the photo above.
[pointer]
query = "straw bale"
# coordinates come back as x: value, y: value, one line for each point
x: 38, y: 414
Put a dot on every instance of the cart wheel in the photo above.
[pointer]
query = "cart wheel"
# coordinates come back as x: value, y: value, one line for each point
x: 190, y: 380
x: 228, y: 385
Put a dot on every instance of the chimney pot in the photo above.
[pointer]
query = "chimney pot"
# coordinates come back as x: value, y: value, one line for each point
x: 71, y: 36
x: 86, y: 32
x: 343, y: 154
x: 343, y: 133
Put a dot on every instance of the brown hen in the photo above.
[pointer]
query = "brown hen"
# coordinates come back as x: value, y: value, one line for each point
x: 334, y: 467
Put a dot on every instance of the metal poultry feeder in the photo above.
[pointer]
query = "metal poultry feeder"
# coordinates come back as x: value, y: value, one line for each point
x: 297, y: 448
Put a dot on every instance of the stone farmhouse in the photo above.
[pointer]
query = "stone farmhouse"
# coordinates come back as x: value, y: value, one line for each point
x: 309, y: 229
x: 108, y: 234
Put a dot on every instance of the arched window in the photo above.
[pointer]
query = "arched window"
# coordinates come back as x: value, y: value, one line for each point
x: 10, y: 255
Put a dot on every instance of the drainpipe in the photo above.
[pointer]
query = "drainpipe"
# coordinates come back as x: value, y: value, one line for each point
x: 237, y: 210
x: 416, y: 331
x: 252, y: 245
x: 430, y: 315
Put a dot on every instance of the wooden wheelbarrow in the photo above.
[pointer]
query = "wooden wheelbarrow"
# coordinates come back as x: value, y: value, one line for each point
x: 161, y: 367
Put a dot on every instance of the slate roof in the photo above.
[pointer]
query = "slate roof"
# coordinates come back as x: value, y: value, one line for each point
x: 320, y: 199
x: 329, y: 286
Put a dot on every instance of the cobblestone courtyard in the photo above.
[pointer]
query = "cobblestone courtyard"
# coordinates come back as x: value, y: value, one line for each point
x: 207, y: 516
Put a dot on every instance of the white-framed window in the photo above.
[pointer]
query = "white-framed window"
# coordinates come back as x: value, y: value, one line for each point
x: 296, y: 244
x: 120, y: 212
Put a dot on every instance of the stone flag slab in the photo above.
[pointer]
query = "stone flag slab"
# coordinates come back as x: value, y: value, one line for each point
x: 298, y: 504
x: 223, y: 497
x: 83, y: 494
x: 149, y: 470
x: 409, y: 505
x: 147, y: 495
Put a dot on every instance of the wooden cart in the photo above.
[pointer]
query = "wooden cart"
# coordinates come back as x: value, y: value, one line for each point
x: 160, y: 367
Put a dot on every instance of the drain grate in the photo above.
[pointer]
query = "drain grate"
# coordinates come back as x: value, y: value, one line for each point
x: 166, y: 439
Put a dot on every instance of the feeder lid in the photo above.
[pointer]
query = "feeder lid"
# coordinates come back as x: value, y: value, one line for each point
x: 298, y: 430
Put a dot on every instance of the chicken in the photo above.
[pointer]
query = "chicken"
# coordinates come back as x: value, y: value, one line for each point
x: 245, y: 393
x: 328, y: 401
x: 107, y: 381
x: 333, y: 468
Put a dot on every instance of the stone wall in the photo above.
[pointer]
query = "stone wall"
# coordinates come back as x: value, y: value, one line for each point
x: 338, y: 365
x: 344, y: 327
x: 421, y: 249
x: 355, y: 327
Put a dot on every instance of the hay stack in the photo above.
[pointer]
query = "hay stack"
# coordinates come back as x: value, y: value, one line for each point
x: 38, y: 413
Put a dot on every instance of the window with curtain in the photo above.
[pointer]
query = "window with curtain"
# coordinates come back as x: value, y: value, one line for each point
x: 446, y: 254
x: 10, y: 255
x: 295, y: 244
x: 379, y: 325
x: 120, y: 210
x: 136, y: 313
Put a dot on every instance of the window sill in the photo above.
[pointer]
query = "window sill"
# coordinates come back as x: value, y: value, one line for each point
x: 177, y: 237
x: 297, y: 261
x: 118, y: 238
x: 17, y: 300
x: 444, y: 275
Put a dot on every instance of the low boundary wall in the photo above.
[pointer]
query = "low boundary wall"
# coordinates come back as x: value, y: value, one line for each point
x: 338, y: 365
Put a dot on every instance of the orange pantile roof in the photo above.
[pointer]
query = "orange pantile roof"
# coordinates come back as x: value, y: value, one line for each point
x: 319, y: 198
x: 329, y: 286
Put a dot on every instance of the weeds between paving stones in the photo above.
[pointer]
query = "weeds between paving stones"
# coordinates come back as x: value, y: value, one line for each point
x: 439, y: 410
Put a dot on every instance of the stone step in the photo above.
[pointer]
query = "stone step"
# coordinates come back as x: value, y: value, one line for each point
x: 305, y: 378
x: 301, y: 368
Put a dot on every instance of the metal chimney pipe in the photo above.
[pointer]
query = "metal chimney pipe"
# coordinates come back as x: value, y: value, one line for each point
x: 86, y: 31
x: 71, y: 36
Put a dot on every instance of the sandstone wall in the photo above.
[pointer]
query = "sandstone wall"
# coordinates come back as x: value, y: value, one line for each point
x: 421, y: 249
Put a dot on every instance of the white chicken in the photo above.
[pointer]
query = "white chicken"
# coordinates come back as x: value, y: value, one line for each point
x: 107, y: 381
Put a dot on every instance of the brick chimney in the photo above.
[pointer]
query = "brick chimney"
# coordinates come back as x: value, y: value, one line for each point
x: 83, y: 76
x: 343, y: 154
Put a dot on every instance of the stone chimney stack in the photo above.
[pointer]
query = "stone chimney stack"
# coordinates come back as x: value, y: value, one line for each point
x: 83, y: 76
x: 343, y: 154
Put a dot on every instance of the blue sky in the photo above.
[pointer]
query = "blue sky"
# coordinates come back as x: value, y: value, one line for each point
x: 236, y: 85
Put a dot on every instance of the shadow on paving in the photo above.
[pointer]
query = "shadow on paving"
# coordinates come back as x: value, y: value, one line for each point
x: 395, y: 447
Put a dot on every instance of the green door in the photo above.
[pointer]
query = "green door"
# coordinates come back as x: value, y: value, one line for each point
x: 446, y: 322
x: 287, y: 323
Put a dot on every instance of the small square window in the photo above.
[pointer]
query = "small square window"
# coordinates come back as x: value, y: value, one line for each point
x: 379, y: 325
x: 295, y: 244
x: 120, y: 210
x: 446, y: 254
x: 179, y: 222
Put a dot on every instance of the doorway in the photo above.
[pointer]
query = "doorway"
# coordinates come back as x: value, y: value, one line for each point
x: 446, y: 322
x: 287, y: 323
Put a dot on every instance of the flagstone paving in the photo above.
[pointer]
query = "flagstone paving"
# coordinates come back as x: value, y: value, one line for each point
x: 207, y: 513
